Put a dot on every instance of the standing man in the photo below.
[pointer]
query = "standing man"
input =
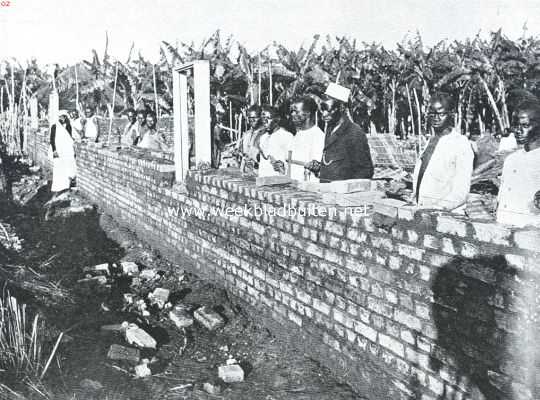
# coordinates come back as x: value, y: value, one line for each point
x: 152, y: 139
x: 62, y: 154
x: 91, y: 127
x: 77, y: 128
x: 131, y: 130
x: 346, y: 153
x: 442, y: 175
x: 519, y: 195
x: 308, y: 143
x: 248, y: 146
x: 274, y: 145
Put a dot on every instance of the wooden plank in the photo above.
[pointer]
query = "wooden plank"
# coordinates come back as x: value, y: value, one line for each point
x: 273, y: 180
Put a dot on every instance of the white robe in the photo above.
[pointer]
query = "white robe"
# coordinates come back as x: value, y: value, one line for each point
x: 276, y: 145
x: 447, y: 178
x: 307, y: 146
x: 520, y: 181
x: 64, y: 167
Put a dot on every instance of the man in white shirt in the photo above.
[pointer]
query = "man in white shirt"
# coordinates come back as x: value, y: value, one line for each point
x: 308, y: 143
x: 442, y: 175
x: 274, y: 144
x: 76, y: 126
x: 91, y: 127
x: 520, y: 181
x: 131, y: 130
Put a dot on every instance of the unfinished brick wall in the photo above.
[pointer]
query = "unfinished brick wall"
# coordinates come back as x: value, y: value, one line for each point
x: 400, y: 303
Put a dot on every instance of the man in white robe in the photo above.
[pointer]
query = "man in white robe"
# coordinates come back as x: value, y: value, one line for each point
x: 62, y: 154
x: 520, y: 181
x: 274, y: 144
x: 308, y: 143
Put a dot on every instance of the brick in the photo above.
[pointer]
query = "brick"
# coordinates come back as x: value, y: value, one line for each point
x: 388, y: 207
x: 391, y: 344
x: 231, y: 373
x: 492, y: 233
x: 118, y: 352
x: 451, y: 226
x: 391, y: 296
x: 528, y: 240
x: 447, y: 246
x: 408, y: 320
x: 210, y: 319
x: 412, y: 236
x: 394, y: 262
x: 431, y: 242
x: 469, y: 250
x: 181, y: 317
x: 407, y: 212
x: 321, y: 306
x: 382, y: 242
x: 355, y: 265
x: 410, y: 251
x: 408, y: 337
x: 365, y: 330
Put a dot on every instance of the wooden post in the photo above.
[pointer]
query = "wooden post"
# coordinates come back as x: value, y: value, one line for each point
x: 77, y: 107
x: 260, y: 80
x: 155, y: 90
x: 112, y: 108
x: 271, y: 84
x: 202, y: 136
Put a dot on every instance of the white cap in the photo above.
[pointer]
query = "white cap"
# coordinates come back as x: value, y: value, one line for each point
x: 338, y: 92
x: 63, y: 112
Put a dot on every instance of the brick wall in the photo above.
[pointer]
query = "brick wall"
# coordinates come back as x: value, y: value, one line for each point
x: 400, y: 303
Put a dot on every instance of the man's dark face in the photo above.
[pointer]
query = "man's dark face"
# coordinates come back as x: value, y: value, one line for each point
x: 150, y: 121
x: 88, y: 112
x: 438, y: 116
x: 141, y: 118
x: 270, y: 122
x: 131, y: 117
x: 253, y: 118
x: 63, y: 119
x: 298, y: 115
x: 524, y: 126
x: 331, y: 111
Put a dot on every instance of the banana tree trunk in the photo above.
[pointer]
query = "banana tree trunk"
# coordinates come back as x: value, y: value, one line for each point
x: 493, y: 104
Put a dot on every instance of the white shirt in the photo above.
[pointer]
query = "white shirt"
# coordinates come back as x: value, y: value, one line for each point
x: 91, y: 128
x: 276, y: 145
x: 508, y: 143
x: 447, y: 178
x: 519, y: 182
x: 76, y: 129
x: 307, y: 146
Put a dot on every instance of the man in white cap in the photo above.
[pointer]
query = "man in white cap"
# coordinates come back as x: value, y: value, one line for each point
x: 62, y: 154
x: 308, y: 143
x: 346, y: 153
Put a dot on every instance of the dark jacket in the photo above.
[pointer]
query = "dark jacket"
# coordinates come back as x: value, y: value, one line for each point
x: 346, y: 154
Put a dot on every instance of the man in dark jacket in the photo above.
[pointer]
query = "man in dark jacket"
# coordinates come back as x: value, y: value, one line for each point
x: 346, y: 152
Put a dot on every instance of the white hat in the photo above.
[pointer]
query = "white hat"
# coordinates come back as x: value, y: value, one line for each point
x: 338, y: 92
x: 62, y: 112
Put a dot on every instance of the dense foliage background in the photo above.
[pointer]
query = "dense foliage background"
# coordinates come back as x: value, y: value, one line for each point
x: 390, y: 88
